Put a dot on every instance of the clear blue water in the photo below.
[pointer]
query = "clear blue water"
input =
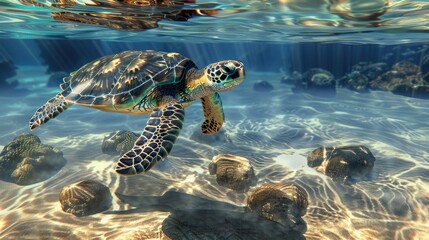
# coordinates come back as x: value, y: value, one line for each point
x: 275, y: 130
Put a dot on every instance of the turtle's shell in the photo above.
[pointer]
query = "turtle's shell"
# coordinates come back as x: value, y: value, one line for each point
x: 116, y: 79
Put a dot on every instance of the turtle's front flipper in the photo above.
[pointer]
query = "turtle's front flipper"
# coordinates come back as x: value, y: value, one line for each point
x: 213, y: 114
x: 156, y: 141
x: 51, y: 109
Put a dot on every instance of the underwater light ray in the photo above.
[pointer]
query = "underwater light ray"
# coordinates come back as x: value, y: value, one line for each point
x: 30, y: 52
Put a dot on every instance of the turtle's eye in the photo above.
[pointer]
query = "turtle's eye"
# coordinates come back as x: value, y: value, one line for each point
x: 228, y: 68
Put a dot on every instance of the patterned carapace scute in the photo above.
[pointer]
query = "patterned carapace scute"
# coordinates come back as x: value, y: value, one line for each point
x: 120, y: 77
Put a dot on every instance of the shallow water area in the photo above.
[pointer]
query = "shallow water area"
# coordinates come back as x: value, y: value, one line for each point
x: 273, y: 118
x: 391, y: 205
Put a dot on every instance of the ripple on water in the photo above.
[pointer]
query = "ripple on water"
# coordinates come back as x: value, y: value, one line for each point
x: 274, y: 20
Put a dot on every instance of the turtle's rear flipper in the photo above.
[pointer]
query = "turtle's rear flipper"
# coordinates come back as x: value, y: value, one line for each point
x: 51, y: 109
x: 156, y: 141
x: 213, y: 114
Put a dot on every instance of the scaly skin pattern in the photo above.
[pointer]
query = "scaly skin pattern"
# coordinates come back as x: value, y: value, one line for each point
x: 51, y: 109
x: 213, y: 114
x: 156, y: 141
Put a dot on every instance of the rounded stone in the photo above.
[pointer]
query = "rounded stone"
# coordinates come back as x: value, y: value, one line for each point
x: 317, y: 156
x: 317, y: 82
x: 263, y: 86
x: 318, y: 78
x: 26, y: 160
x: 233, y: 172
x: 85, y: 198
x: 342, y: 163
x: 284, y: 203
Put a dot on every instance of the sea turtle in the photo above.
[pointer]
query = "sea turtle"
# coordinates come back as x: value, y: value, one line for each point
x: 143, y: 82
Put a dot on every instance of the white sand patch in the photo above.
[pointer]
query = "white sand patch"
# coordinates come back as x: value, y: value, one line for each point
x: 296, y: 162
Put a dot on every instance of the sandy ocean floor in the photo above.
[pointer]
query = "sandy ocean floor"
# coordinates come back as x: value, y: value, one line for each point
x: 274, y: 130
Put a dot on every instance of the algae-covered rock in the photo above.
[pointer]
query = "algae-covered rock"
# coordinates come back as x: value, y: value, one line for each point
x: 355, y: 81
x: 317, y: 78
x: 317, y: 81
x: 407, y: 68
x: 284, y: 203
x: 390, y: 80
x: 402, y: 79
x: 342, y: 163
x: 85, y: 198
x: 26, y: 160
x: 233, y: 172
x: 370, y: 70
x: 119, y: 142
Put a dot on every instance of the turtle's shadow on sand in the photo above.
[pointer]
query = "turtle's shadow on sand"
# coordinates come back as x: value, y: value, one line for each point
x: 194, y: 217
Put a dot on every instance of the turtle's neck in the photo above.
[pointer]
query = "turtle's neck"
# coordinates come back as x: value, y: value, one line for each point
x: 197, y: 84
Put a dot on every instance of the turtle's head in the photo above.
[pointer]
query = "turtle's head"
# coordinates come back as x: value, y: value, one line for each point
x: 225, y: 75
